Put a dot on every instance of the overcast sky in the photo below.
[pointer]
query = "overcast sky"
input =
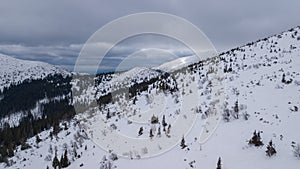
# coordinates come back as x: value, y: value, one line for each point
x: 54, y: 30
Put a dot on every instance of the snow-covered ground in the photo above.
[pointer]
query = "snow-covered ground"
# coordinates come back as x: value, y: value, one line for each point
x: 262, y: 77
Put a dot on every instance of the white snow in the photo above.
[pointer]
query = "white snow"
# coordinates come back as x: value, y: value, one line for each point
x: 255, y: 81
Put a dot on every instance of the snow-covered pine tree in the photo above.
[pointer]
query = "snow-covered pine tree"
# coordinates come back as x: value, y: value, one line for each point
x: 154, y: 120
x: 296, y: 150
x: 270, y: 149
x: 256, y: 139
x: 37, y: 139
x: 108, y: 116
x: 65, y: 160
x: 151, y: 133
x: 283, y: 78
x: 169, y: 129
x: 61, y: 161
x: 55, y: 162
x: 219, y: 164
x: 236, y: 110
x: 134, y: 100
x: 164, y: 124
x: 141, y: 131
x: 182, y: 144
x: 159, y: 132
x: 226, y: 115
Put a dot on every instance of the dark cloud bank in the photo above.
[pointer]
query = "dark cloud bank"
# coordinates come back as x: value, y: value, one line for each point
x: 54, y: 31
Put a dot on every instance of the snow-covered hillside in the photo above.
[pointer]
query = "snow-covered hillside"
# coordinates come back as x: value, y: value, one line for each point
x: 16, y: 76
x: 15, y: 71
x: 253, y: 88
x: 125, y: 79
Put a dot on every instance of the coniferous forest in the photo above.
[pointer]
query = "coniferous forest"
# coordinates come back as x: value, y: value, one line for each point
x: 55, y: 89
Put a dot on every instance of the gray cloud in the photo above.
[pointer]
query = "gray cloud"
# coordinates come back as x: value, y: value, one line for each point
x: 64, y: 56
x: 48, y: 30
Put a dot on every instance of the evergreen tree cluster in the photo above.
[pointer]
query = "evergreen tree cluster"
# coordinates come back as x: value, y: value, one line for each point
x: 10, y: 137
x: 228, y: 114
x: 155, y: 121
x: 62, y: 163
x: 23, y: 97
x: 256, y: 140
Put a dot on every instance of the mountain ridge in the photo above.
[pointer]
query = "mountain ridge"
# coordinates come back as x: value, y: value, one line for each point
x: 15, y: 71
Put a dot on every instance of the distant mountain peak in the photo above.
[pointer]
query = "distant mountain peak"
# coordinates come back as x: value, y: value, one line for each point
x: 15, y: 71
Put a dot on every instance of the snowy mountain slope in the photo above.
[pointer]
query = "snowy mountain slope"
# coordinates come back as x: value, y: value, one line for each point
x: 138, y: 75
x: 142, y: 74
x: 260, y: 84
x: 125, y: 79
x: 16, y: 76
x: 15, y: 71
